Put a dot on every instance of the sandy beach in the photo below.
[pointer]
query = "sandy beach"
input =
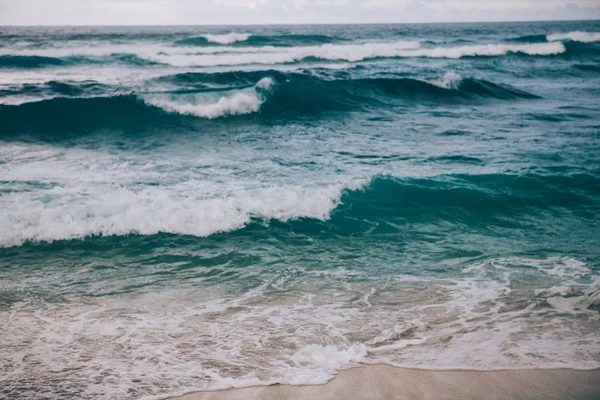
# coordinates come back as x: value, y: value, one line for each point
x: 386, y: 382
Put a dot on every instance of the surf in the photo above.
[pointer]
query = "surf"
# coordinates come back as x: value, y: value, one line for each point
x: 475, y: 200
x: 265, y: 94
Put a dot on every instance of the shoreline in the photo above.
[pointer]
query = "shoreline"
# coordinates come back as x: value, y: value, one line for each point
x: 381, y: 381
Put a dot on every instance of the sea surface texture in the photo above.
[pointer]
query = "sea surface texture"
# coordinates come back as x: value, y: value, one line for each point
x: 188, y: 208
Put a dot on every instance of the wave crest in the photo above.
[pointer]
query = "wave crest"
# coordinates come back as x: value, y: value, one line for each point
x: 214, y: 56
x: 500, y: 199
x: 576, y: 36
x: 226, y: 38
x: 206, y: 105
x: 153, y: 211
x: 350, y: 53
x: 451, y: 80
x: 273, y: 95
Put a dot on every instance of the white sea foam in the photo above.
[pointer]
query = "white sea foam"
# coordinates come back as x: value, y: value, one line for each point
x: 350, y: 53
x: 577, y: 36
x: 451, y: 80
x: 85, y: 192
x: 227, y: 38
x: 189, y: 56
x: 489, y: 50
x: 561, y: 267
x: 278, y: 55
x: 576, y: 304
x: 329, y: 359
x: 213, y: 105
x: 147, y: 212
x: 237, y: 104
x: 566, y: 273
x: 400, y: 344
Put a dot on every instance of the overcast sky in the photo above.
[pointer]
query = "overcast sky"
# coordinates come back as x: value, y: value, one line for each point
x: 200, y: 12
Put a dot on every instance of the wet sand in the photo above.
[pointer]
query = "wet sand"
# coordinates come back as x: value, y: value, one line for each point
x: 386, y: 382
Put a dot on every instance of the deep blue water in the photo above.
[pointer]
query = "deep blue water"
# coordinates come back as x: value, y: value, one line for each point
x: 187, y: 208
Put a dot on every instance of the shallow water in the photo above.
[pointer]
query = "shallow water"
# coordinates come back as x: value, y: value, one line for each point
x: 188, y: 208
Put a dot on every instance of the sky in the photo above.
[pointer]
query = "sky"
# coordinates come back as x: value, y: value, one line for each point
x: 210, y: 12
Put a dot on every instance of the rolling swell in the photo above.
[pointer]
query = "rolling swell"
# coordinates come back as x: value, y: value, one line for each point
x: 15, y: 61
x: 309, y: 95
x: 529, y: 39
x: 76, y: 114
x: 299, y: 84
x: 54, y: 89
x: 583, y: 50
x: 276, y: 95
x: 31, y: 61
x: 588, y: 67
x: 292, y: 40
x: 473, y: 200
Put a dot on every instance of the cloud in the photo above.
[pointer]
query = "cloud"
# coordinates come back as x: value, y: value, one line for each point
x: 195, y: 12
x: 240, y: 3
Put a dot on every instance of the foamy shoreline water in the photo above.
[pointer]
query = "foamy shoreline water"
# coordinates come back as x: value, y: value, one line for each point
x: 299, y: 327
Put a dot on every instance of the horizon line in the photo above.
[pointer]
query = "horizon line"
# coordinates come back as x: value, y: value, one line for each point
x: 298, y: 23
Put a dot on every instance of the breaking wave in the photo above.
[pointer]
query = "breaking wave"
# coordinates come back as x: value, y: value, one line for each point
x: 213, y: 105
x: 272, y: 95
x: 577, y: 36
x: 475, y: 200
x: 213, y: 56
x: 351, y: 53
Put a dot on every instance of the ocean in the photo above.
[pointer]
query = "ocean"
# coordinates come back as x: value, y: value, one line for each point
x: 191, y: 208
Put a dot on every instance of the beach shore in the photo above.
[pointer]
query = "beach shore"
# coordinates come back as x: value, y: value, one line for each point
x: 386, y: 382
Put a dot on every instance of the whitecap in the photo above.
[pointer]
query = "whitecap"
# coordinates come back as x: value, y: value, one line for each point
x: 213, y: 105
x: 576, y: 36
x: 451, y: 80
x: 227, y: 38
x: 350, y: 53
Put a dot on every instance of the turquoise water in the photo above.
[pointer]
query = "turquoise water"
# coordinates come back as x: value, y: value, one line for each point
x: 187, y: 208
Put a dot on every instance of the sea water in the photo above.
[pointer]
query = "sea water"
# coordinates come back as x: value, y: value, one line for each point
x: 188, y: 208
